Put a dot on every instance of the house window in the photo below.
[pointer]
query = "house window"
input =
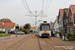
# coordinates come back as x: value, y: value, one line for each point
x: 67, y: 29
x: 71, y: 29
x: 66, y: 20
x: 71, y: 19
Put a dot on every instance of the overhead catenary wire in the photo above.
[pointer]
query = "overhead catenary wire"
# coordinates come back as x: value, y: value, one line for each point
x: 27, y: 8
x: 27, y: 5
x: 48, y: 5
x: 42, y: 5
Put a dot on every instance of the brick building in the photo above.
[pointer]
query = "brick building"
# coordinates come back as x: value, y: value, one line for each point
x: 71, y: 19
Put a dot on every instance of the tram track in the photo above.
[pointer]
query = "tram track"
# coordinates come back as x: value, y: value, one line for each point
x: 32, y: 42
x: 57, y: 44
x: 48, y: 41
x: 39, y: 43
x: 62, y: 46
x: 49, y: 45
x: 17, y: 45
x: 24, y: 42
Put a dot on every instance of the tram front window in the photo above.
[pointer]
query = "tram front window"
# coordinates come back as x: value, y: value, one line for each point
x: 45, y: 27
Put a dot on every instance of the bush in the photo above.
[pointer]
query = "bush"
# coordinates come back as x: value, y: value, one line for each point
x: 25, y: 31
x: 1, y: 31
x: 70, y: 36
x: 56, y: 32
x: 12, y: 32
x: 4, y: 35
x: 28, y: 32
x: 73, y: 36
x: 31, y: 30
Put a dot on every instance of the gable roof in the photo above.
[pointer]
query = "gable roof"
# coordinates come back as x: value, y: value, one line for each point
x: 57, y: 17
x: 61, y: 12
x: 73, y: 8
x: 7, y: 25
x: 6, y: 20
x: 51, y: 23
x: 66, y: 10
x: 0, y: 24
x: 74, y: 18
x: 33, y: 27
x: 73, y: 11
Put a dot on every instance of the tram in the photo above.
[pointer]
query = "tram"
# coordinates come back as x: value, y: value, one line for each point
x: 44, y: 29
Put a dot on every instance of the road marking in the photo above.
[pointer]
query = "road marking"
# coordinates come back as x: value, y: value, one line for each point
x: 57, y: 44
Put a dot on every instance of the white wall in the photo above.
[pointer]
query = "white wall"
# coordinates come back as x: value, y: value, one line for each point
x: 56, y: 26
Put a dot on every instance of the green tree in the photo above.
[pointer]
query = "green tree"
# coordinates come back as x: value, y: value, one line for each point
x: 20, y: 28
x: 27, y: 28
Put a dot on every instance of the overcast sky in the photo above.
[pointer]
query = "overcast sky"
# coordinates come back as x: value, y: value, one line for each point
x: 16, y: 11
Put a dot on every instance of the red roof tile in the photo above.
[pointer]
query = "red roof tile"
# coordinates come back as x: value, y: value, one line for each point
x: 74, y: 18
x: 73, y: 8
x: 7, y: 25
x: 0, y: 24
x: 6, y: 20
x: 57, y: 17
x: 33, y: 27
x: 61, y: 12
x: 66, y: 9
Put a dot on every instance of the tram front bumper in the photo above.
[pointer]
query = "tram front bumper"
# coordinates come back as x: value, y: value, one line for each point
x: 45, y: 34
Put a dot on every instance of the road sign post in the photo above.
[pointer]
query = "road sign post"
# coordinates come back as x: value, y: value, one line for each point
x: 17, y: 27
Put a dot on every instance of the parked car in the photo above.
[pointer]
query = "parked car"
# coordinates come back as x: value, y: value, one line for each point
x: 20, y: 33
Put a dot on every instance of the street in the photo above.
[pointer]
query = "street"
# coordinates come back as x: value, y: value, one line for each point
x: 32, y: 42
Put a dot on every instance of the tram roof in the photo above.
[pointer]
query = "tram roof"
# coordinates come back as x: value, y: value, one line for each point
x: 44, y: 23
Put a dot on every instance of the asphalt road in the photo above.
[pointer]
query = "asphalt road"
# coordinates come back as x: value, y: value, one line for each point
x: 32, y: 42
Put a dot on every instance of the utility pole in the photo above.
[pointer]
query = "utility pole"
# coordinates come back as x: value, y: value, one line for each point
x: 35, y: 15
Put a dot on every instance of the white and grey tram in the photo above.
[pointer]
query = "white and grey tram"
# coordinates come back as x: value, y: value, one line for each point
x: 44, y: 29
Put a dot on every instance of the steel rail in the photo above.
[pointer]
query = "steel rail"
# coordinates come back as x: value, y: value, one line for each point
x: 49, y: 45
x: 39, y: 43
x: 57, y: 44
x: 24, y: 42
x: 15, y: 43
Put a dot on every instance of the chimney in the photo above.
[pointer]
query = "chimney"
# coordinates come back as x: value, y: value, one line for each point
x: 3, y: 19
x: 6, y: 19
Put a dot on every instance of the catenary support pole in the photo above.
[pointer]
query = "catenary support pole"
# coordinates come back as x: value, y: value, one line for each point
x: 35, y: 21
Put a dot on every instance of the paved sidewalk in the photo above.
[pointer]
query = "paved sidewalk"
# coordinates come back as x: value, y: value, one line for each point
x: 12, y: 38
x: 8, y: 37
